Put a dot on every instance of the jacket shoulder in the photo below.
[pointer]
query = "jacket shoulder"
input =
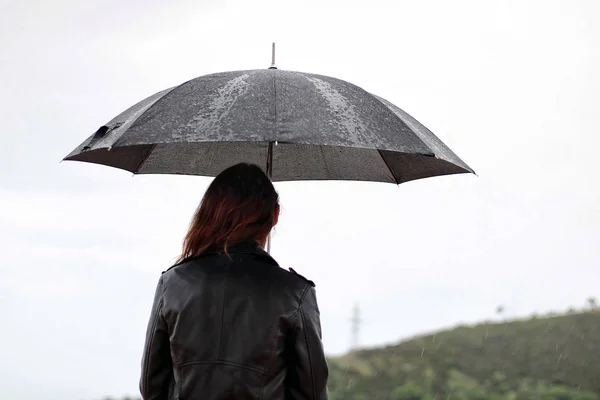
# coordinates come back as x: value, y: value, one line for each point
x: 174, y: 266
x: 294, y: 273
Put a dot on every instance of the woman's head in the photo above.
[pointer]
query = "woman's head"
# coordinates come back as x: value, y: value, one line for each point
x: 240, y: 204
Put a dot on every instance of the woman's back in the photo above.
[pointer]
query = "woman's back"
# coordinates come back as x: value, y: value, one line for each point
x: 234, y: 326
x: 227, y: 322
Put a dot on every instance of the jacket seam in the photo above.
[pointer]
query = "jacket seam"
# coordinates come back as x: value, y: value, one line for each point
x: 302, y: 296
x: 178, y: 381
x: 265, y: 370
x: 310, y: 363
x: 223, y: 362
x: 151, y: 341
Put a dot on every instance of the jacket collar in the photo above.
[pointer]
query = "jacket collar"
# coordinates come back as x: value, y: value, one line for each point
x: 247, y: 247
x: 251, y: 247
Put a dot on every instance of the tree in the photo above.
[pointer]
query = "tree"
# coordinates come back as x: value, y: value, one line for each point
x: 408, y: 391
x: 463, y: 387
x: 500, y: 311
x: 587, y: 396
x: 592, y: 303
x: 559, y: 393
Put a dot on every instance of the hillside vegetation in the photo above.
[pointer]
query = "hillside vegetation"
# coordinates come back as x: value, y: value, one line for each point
x: 551, y: 358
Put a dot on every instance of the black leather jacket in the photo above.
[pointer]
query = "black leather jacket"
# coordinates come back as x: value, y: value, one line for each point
x: 237, y: 327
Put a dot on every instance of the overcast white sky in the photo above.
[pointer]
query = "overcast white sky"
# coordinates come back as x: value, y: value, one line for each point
x: 511, y: 86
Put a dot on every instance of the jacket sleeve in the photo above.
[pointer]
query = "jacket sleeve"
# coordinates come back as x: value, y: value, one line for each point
x: 157, y: 367
x: 309, y: 371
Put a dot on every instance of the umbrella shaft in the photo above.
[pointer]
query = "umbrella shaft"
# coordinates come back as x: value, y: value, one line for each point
x: 270, y: 175
x: 270, y: 160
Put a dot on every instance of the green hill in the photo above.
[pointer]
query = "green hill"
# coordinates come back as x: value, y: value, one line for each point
x: 550, y: 358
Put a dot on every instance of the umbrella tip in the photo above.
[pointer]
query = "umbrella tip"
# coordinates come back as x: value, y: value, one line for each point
x: 273, y: 58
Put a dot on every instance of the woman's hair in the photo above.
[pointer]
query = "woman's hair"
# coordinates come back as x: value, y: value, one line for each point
x: 240, y: 204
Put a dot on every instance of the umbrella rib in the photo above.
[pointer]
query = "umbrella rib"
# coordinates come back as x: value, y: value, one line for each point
x: 409, y: 124
x: 397, y: 181
x: 324, y: 162
x: 150, y: 107
x: 145, y: 158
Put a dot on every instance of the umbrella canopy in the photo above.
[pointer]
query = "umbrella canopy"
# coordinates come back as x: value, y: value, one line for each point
x: 297, y: 126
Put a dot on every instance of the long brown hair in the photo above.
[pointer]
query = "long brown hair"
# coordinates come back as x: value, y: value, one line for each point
x: 240, y: 204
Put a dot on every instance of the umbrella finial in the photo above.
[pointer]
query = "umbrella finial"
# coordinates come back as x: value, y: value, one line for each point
x: 273, y: 58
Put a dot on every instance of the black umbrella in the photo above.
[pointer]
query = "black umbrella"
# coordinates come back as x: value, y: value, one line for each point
x: 298, y: 126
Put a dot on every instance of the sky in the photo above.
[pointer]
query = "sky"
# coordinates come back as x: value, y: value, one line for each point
x: 511, y: 86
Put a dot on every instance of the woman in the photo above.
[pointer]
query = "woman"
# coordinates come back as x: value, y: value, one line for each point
x: 227, y: 322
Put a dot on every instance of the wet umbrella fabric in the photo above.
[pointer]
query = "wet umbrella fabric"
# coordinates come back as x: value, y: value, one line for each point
x: 298, y: 126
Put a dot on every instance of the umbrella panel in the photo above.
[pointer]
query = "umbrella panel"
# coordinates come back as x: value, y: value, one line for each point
x: 204, y: 158
x: 292, y: 162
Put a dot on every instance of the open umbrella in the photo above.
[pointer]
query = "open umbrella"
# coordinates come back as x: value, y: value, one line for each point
x: 297, y: 126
